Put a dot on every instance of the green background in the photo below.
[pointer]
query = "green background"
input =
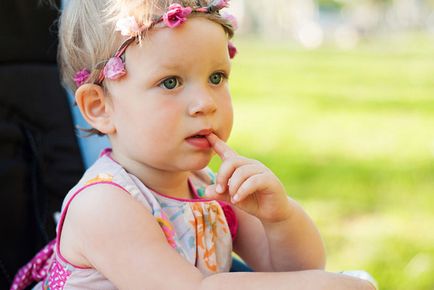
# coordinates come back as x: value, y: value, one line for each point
x: 351, y: 135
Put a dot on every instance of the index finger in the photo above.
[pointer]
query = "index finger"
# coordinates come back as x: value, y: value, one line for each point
x: 220, y: 147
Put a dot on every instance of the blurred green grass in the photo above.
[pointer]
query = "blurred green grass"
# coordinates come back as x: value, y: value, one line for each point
x: 351, y: 135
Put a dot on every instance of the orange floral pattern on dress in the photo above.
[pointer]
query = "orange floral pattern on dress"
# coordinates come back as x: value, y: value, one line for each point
x: 102, y: 177
x: 168, y: 230
x: 210, y: 225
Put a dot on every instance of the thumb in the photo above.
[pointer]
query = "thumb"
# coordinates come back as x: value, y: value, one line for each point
x: 211, y: 193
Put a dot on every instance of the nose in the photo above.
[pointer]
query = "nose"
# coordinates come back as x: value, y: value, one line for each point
x: 203, y: 103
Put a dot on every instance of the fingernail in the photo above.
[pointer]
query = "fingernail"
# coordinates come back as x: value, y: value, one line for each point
x: 236, y: 198
x: 219, y: 188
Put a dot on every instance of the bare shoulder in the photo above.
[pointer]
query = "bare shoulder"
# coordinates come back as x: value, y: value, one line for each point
x: 100, y: 201
x: 91, y: 216
x: 114, y: 233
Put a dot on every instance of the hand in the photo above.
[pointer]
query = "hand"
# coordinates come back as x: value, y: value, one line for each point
x: 248, y: 184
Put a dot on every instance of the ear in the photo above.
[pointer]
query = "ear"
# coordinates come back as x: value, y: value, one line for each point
x: 95, y: 107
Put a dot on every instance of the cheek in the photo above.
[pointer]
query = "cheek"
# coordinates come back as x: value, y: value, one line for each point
x: 227, y: 117
x: 165, y: 119
x: 229, y: 122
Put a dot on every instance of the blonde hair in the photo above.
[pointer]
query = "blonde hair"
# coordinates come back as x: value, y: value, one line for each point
x: 87, y: 36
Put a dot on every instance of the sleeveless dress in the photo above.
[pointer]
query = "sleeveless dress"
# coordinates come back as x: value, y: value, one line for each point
x: 200, y: 230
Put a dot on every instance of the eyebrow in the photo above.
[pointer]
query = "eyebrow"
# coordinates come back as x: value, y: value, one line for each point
x: 177, y: 66
x: 171, y: 65
x: 223, y: 64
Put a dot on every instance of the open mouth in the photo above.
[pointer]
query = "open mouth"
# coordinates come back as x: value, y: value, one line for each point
x: 199, y: 139
x: 202, y: 133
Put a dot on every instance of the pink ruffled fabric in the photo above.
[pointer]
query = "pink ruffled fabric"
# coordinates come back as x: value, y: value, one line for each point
x: 58, y: 276
x: 231, y: 218
x: 36, y: 269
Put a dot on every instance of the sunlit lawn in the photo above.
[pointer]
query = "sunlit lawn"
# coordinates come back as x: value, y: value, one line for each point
x: 351, y: 135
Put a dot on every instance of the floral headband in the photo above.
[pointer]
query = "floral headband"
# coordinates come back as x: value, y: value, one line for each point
x: 176, y: 14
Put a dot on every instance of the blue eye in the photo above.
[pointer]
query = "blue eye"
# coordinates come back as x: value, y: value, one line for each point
x: 170, y: 83
x: 216, y: 78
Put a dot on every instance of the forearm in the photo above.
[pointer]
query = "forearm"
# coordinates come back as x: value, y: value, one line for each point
x: 302, y: 280
x: 295, y: 243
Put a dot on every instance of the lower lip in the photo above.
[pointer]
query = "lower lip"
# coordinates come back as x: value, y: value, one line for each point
x: 201, y: 142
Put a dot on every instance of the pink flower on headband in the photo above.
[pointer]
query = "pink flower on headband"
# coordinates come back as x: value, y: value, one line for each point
x: 231, y: 19
x: 114, y: 68
x: 220, y: 4
x: 176, y: 15
x: 81, y: 77
x: 128, y: 26
x: 232, y: 50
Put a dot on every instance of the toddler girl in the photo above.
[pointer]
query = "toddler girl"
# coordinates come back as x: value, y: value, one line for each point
x: 153, y: 76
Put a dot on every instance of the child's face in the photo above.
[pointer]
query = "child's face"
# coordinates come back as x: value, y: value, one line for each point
x: 176, y: 86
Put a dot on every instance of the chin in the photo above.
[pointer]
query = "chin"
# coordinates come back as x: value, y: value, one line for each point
x: 199, y: 163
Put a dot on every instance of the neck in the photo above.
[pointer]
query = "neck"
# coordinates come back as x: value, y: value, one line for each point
x: 170, y: 183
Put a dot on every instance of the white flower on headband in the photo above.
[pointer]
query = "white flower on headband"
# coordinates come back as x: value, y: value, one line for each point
x: 128, y: 26
x: 175, y: 15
